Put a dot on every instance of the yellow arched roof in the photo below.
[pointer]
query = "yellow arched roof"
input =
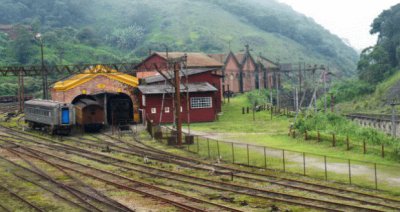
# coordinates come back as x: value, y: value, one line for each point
x: 90, y: 74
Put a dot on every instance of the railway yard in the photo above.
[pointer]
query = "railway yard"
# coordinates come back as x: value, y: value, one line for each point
x: 101, y: 172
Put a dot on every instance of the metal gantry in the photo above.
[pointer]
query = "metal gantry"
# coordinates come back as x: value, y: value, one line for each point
x: 39, y: 70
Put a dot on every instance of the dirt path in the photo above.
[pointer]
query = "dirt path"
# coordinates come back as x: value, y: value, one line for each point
x: 367, y: 172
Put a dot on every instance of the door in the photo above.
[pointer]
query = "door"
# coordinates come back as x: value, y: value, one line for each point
x: 65, y: 116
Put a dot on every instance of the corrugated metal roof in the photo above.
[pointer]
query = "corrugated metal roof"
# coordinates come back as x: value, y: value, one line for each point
x: 186, y: 72
x: 90, y: 74
x: 194, y: 59
x: 46, y: 103
x: 161, y: 89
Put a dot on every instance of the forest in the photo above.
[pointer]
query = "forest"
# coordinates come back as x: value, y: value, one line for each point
x: 88, y: 31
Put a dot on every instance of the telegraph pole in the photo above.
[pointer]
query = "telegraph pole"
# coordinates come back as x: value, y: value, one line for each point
x: 178, y: 119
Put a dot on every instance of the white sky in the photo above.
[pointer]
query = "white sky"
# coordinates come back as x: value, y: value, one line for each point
x: 349, y: 19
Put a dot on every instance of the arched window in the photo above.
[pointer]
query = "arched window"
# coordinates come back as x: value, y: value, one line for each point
x: 232, y: 77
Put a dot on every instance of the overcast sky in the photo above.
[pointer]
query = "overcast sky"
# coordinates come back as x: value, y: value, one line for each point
x: 349, y: 19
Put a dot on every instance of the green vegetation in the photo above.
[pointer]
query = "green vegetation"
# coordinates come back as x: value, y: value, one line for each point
x: 379, y: 62
x: 360, y: 100
x: 235, y: 126
x: 103, y: 31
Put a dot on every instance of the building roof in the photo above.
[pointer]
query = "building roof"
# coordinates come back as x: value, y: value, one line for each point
x: 161, y: 89
x: 92, y: 73
x: 267, y: 63
x: 219, y: 57
x: 45, y: 103
x: 194, y: 59
x: 186, y: 72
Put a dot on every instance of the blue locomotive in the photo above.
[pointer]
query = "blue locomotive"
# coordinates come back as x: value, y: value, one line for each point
x: 51, y: 116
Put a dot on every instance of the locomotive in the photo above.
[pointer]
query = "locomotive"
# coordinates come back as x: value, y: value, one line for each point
x: 51, y: 116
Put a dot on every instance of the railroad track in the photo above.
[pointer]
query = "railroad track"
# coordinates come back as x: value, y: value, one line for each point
x: 258, y: 177
x: 332, y: 206
x: 84, y: 198
x: 20, y: 198
x: 179, y: 200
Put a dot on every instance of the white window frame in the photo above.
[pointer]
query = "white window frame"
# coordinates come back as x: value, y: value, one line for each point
x: 166, y: 110
x: 201, y: 102
x: 144, y: 100
x: 153, y: 110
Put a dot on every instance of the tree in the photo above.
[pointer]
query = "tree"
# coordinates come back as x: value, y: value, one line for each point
x: 127, y: 38
x: 374, y: 65
x: 22, y: 48
x: 386, y: 25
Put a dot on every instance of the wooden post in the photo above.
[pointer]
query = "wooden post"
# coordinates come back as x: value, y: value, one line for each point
x: 305, y: 135
x: 383, y: 150
x: 326, y: 170
x: 243, y: 110
x: 318, y: 136
x: 333, y: 140
x: 283, y: 160
x: 265, y: 158
x: 348, y: 142
x: 272, y: 111
x: 219, y: 155
x: 208, y: 147
x: 304, y: 163
x: 247, y: 110
x: 376, y: 177
x: 364, y: 148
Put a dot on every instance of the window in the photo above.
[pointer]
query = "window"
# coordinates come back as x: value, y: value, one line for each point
x: 144, y: 100
x: 166, y: 109
x: 200, y: 102
x: 153, y: 110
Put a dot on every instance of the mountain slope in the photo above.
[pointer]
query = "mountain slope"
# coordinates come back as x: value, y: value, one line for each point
x: 126, y: 29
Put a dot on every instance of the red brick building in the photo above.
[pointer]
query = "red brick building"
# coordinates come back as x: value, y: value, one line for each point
x: 102, y: 84
x: 157, y: 102
x: 243, y: 73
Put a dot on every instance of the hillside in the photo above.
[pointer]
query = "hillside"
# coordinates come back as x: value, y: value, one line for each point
x: 376, y: 102
x: 88, y: 31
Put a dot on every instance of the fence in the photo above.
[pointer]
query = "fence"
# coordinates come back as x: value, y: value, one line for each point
x: 346, y: 142
x: 355, y: 172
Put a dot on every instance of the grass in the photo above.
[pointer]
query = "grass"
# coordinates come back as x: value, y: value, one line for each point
x: 237, y: 127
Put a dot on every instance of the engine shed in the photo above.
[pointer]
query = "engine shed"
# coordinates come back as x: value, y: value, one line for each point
x: 112, y: 90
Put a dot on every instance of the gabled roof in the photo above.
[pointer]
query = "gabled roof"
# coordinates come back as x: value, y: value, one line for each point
x: 194, y: 60
x: 92, y: 73
x: 219, y: 57
x: 186, y: 72
x: 267, y: 63
x: 161, y: 89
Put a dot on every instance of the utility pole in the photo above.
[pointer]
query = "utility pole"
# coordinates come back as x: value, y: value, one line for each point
x: 277, y: 79
x: 21, y: 97
x: 43, y: 70
x: 325, y: 73
x: 178, y: 119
